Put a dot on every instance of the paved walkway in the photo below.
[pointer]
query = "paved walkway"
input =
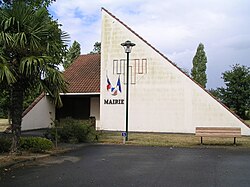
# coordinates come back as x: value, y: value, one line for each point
x: 7, y: 160
x: 117, y: 165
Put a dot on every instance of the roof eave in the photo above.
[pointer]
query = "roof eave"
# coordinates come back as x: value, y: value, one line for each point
x: 91, y: 93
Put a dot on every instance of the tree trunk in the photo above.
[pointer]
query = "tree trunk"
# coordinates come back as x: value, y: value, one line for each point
x: 17, y: 98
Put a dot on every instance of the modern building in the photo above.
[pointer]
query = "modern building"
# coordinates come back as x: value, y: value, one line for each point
x: 81, y: 102
x: 161, y: 97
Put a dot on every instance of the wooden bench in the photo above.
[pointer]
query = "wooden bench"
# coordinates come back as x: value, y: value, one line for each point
x: 233, y: 132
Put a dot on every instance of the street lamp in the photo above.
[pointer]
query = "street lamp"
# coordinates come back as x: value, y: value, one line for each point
x: 128, y: 47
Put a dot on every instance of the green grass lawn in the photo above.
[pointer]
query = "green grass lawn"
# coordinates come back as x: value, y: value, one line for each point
x: 171, y: 140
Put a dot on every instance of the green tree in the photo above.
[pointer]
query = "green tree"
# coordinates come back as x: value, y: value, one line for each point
x: 198, y: 71
x: 215, y: 93
x: 32, y: 94
x: 236, y: 94
x: 4, y: 103
x: 31, y: 48
x: 33, y: 3
x: 73, y: 52
x: 97, y: 48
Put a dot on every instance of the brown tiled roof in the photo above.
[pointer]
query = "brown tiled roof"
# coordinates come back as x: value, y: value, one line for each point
x: 83, y: 75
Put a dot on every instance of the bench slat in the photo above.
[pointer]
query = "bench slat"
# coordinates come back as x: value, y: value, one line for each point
x: 218, y: 128
x: 225, y: 132
x: 215, y: 131
x: 218, y: 134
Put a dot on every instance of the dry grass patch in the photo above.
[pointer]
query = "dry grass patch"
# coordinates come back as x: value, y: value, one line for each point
x: 3, y: 121
x: 3, y: 124
x: 171, y: 140
x: 248, y: 122
x: 160, y: 139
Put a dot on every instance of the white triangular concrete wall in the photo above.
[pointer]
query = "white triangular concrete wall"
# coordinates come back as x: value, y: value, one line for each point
x: 164, y: 99
x: 40, y: 116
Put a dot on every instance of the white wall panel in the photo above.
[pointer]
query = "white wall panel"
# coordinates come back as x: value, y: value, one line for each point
x: 163, y: 99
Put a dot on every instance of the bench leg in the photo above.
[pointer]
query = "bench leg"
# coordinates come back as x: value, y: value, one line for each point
x: 201, y: 140
x: 234, y: 140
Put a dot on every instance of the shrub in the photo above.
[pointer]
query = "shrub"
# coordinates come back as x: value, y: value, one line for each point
x: 73, y: 131
x: 5, y: 144
x: 35, y: 144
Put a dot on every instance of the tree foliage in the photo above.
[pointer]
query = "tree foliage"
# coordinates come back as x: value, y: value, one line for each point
x: 4, y: 103
x: 198, y: 71
x: 215, y: 93
x: 73, y: 52
x: 236, y: 93
x: 97, y: 48
x: 32, y: 3
x: 31, y: 47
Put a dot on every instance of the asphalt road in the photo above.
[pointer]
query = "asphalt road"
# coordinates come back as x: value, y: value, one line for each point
x: 114, y: 165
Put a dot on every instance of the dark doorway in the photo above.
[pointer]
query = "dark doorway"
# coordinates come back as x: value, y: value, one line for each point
x: 76, y: 107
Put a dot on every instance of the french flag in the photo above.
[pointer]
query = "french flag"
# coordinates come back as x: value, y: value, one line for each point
x: 114, y: 90
x: 108, y: 84
x: 118, y: 85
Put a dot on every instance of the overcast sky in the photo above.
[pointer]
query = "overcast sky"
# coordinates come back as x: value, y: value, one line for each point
x: 174, y: 27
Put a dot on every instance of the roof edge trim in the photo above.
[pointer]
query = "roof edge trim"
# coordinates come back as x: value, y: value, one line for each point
x: 93, y: 93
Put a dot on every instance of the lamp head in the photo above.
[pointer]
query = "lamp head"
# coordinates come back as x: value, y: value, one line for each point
x: 128, y: 46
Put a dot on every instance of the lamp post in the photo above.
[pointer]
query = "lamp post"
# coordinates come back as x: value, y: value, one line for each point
x: 128, y: 47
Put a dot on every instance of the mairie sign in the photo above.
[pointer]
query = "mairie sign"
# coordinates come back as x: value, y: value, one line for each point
x: 114, y: 101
